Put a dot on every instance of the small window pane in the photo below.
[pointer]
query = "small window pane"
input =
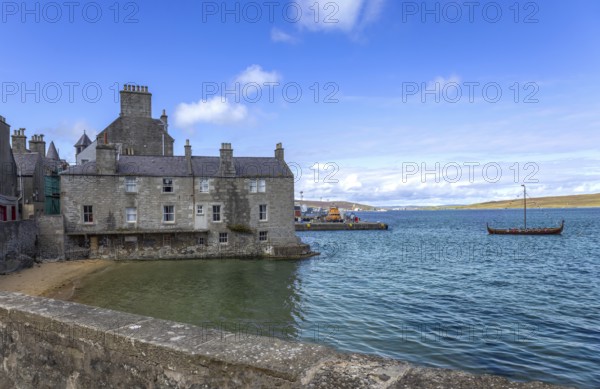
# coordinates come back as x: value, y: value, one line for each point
x: 263, y: 236
x: 199, y: 210
x: 167, y: 185
x: 204, y: 186
x: 223, y: 238
x: 216, y: 213
x: 262, y: 186
x: 130, y: 184
x: 262, y: 212
x: 88, y: 214
x: 253, y: 186
x: 131, y: 215
x: 168, y: 213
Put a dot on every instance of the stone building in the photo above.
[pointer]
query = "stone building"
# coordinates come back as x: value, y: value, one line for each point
x: 134, y: 132
x: 8, y: 176
x: 134, y: 206
x: 37, y: 172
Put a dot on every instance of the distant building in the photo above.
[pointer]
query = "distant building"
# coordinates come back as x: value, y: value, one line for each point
x: 38, y: 174
x: 8, y: 176
x: 134, y: 132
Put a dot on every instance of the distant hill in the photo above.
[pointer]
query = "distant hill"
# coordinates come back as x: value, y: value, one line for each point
x: 574, y: 201
x: 339, y: 204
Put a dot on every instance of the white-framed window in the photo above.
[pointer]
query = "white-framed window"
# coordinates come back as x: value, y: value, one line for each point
x: 216, y: 214
x: 199, y: 209
x: 204, y: 185
x: 131, y: 215
x: 262, y: 212
x: 263, y: 236
x: 88, y: 214
x: 223, y: 237
x: 257, y: 186
x: 130, y: 184
x: 168, y: 185
x: 253, y: 186
x: 168, y: 214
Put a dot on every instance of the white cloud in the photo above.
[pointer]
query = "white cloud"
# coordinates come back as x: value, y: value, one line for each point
x: 351, y: 182
x: 215, y: 110
x: 440, y: 82
x: 281, y: 37
x: 256, y: 74
x: 343, y: 15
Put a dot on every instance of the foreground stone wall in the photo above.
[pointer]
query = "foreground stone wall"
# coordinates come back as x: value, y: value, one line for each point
x: 55, y: 344
x: 18, y: 245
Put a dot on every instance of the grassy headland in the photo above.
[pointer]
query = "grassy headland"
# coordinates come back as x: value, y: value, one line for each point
x: 574, y: 201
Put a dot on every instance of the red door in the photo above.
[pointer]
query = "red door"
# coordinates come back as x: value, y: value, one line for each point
x: 14, y: 213
x: 2, y: 213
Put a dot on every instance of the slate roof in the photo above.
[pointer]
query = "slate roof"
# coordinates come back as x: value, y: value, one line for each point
x: 52, y: 153
x: 83, y: 141
x: 159, y: 166
x: 27, y: 163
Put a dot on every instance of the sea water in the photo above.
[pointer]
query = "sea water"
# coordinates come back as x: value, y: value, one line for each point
x: 434, y: 290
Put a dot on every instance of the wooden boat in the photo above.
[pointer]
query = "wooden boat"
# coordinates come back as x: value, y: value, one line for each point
x: 525, y: 230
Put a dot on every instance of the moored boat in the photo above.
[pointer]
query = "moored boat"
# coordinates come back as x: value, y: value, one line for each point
x: 525, y: 230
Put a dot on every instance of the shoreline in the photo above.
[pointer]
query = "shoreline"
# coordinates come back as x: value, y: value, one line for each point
x: 56, y: 280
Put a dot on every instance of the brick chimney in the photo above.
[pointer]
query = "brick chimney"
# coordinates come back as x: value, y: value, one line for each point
x: 38, y: 145
x: 19, y: 141
x: 226, y: 166
x: 136, y: 101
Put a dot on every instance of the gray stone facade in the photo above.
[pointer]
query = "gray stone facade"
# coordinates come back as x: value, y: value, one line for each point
x: 136, y: 207
x: 134, y: 132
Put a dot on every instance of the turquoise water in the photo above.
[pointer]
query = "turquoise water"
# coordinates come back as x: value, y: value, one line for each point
x: 434, y: 290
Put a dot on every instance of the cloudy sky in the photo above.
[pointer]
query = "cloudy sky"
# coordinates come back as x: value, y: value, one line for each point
x: 376, y: 101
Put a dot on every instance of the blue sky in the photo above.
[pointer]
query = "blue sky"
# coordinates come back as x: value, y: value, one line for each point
x: 395, y: 102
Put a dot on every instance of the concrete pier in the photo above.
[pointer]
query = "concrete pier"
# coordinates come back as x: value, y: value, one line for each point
x: 340, y: 226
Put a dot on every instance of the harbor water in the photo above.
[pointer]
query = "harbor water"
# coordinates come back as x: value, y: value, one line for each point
x: 435, y: 290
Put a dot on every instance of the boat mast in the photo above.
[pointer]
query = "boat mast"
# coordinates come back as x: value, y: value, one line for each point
x: 525, y: 205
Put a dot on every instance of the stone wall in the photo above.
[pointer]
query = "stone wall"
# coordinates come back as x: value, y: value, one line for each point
x: 55, y: 344
x: 51, y: 237
x: 18, y: 245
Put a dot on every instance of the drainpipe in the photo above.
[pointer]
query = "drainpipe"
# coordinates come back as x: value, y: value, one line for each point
x: 21, y: 197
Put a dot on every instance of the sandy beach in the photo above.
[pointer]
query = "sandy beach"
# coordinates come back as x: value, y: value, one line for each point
x: 53, y: 279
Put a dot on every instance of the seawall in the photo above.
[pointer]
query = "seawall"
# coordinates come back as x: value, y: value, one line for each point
x: 56, y: 344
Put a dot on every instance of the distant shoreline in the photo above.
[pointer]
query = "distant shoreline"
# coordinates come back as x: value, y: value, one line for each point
x: 552, y: 202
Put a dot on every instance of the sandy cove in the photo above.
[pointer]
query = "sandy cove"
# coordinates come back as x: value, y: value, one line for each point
x: 52, y: 279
